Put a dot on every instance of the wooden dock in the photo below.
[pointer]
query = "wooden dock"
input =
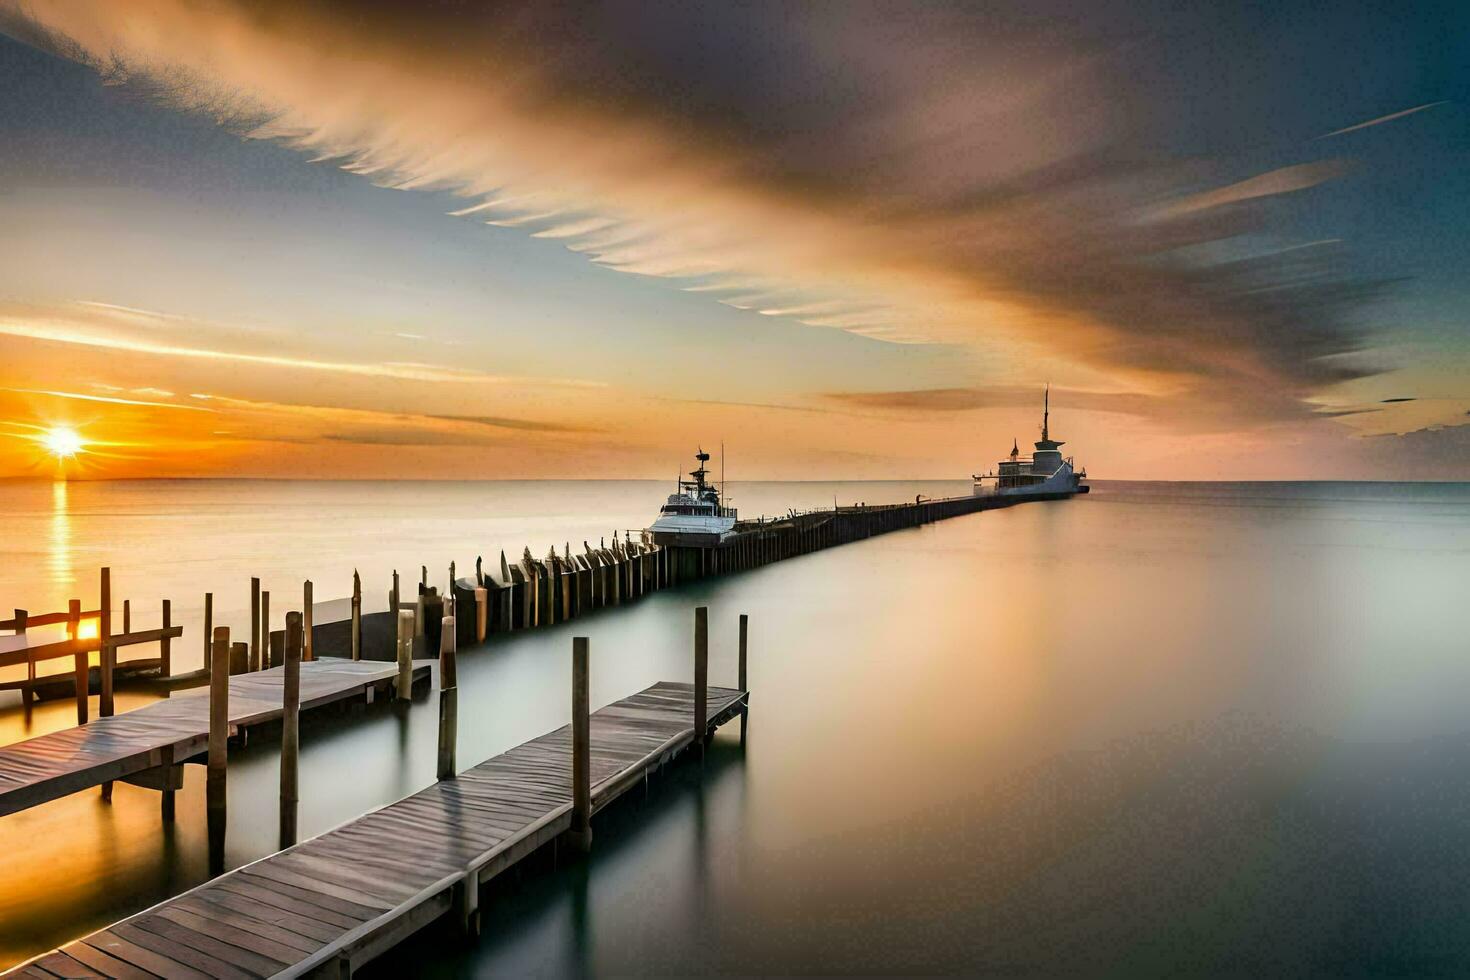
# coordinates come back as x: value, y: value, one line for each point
x: 330, y: 904
x: 147, y: 744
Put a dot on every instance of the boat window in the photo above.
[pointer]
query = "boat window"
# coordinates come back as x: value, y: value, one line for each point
x: 702, y: 510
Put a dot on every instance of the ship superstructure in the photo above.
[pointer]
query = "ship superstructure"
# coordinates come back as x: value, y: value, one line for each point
x: 694, y: 515
x: 1045, y: 474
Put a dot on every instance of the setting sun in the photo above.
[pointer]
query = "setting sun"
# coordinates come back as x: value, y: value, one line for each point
x: 62, y: 442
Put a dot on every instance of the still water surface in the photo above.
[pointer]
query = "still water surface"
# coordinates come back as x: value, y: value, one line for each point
x: 1197, y: 728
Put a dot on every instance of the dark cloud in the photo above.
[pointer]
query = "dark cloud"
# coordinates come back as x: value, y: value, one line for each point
x: 970, y: 399
x: 1004, y: 180
x: 497, y: 422
x: 1435, y: 453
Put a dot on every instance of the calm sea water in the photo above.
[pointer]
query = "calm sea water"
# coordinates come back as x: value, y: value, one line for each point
x: 1203, y: 728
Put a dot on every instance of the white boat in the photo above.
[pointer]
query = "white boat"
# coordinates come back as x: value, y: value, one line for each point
x: 694, y: 517
x: 1044, y: 475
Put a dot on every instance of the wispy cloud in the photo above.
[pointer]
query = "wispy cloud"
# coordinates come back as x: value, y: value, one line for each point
x: 1283, y: 181
x: 1382, y: 119
x: 278, y: 421
x: 55, y: 327
x: 103, y: 398
x: 939, y: 180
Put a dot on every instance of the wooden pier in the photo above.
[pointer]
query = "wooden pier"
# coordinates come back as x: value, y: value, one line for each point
x: 331, y: 903
x: 148, y: 744
x: 326, y: 906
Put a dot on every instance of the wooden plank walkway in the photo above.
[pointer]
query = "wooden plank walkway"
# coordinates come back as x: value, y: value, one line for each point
x: 330, y: 904
x: 166, y: 732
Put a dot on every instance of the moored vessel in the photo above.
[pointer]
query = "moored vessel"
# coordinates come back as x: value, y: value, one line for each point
x: 694, y: 515
x: 1044, y: 475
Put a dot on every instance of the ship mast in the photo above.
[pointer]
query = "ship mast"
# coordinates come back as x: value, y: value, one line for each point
x: 1046, y: 414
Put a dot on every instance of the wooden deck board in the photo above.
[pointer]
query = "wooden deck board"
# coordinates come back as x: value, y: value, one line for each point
x: 356, y: 890
x: 54, y: 765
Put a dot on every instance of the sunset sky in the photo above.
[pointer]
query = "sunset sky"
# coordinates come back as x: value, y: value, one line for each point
x: 846, y: 240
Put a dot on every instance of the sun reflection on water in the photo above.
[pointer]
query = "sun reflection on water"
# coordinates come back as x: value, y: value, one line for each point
x: 59, y: 559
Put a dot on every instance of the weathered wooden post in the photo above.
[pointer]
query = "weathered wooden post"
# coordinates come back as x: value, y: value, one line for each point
x: 21, y: 616
x: 306, y: 648
x: 405, y: 654
x: 744, y: 625
x: 165, y: 642
x: 127, y: 616
x: 219, y: 735
x: 356, y: 616
x: 448, y: 699
x: 80, y: 660
x: 482, y: 612
x: 208, y: 629
x: 566, y: 587
x: 290, y: 728
x: 239, y: 657
x: 265, y: 629
x: 105, y: 653
x: 393, y: 597
x: 701, y: 676
x: 742, y: 683
x: 581, y: 832
x: 170, y: 774
x: 418, y: 606
x: 254, y: 624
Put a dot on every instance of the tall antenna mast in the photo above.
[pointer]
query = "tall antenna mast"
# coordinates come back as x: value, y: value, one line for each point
x: 1046, y: 414
x: 722, y: 471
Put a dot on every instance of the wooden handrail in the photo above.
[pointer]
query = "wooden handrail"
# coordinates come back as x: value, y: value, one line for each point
x: 47, y: 619
x: 67, y: 647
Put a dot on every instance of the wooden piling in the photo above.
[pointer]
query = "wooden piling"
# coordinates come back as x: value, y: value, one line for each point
x: 127, y: 616
x: 166, y: 802
x: 418, y: 607
x: 448, y: 699
x: 254, y: 623
x: 701, y: 676
x: 208, y: 629
x: 306, y: 647
x: 265, y: 630
x: 356, y: 616
x: 165, y: 643
x: 404, y: 683
x: 107, y: 653
x: 581, y: 830
x: 81, y: 666
x: 21, y: 616
x: 219, y: 735
x: 482, y: 613
x: 239, y: 657
x: 290, y: 728
x: 393, y: 597
x: 744, y: 625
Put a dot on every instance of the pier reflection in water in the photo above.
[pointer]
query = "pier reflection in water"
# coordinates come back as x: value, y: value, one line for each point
x: 1208, y: 729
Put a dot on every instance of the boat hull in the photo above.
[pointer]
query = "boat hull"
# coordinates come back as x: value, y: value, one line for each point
x: 1060, y: 485
x: 688, y: 539
x: 691, y: 531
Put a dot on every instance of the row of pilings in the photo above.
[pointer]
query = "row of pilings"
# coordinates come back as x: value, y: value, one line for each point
x: 534, y: 592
